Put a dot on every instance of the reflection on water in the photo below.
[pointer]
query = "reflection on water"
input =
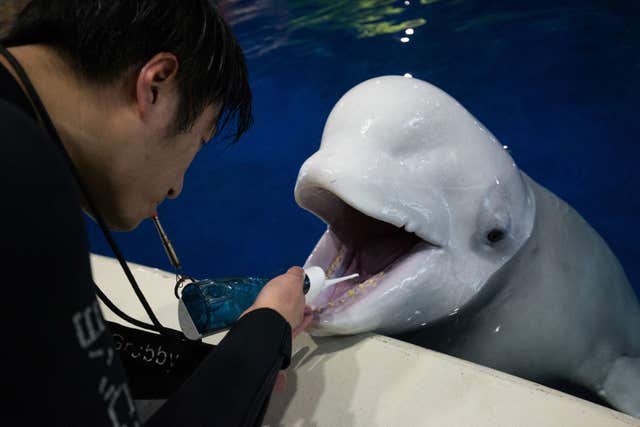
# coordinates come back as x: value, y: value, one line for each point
x: 270, y: 24
x: 366, y: 18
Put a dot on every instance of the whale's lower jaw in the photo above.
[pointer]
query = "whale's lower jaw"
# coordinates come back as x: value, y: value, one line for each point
x: 383, y: 255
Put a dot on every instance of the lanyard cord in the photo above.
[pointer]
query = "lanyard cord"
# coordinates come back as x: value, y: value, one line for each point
x: 44, y: 116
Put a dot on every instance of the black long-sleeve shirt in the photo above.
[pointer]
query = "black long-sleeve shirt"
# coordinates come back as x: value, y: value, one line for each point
x: 60, y: 366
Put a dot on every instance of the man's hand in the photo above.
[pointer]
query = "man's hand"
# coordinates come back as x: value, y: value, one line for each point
x: 284, y: 294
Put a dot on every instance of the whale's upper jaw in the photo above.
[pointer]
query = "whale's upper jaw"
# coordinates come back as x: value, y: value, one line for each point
x: 334, y: 182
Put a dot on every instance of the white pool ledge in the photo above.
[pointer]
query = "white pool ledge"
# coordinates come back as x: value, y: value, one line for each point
x: 372, y: 380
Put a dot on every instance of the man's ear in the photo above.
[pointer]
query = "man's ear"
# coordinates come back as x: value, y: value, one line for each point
x: 156, y: 88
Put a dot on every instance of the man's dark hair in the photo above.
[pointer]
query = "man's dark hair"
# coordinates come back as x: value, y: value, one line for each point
x: 105, y: 39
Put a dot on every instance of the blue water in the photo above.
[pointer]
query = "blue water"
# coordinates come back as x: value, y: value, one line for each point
x: 556, y: 81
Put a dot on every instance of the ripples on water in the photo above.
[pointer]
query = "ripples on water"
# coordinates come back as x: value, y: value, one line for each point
x: 266, y: 25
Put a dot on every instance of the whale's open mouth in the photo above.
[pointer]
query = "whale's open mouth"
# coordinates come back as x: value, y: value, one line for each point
x: 381, y: 253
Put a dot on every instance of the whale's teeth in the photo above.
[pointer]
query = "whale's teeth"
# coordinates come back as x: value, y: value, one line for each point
x: 371, y: 282
x: 336, y: 262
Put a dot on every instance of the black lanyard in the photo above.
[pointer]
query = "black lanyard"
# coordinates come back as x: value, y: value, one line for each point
x: 51, y: 130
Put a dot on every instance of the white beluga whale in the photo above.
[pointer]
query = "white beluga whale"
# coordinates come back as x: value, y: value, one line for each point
x: 460, y: 251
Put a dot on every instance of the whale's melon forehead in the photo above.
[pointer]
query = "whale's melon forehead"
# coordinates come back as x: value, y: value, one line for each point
x: 407, y: 128
x: 396, y: 97
x: 387, y: 89
x: 400, y: 116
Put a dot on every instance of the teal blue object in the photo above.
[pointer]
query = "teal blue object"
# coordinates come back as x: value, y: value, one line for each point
x: 215, y: 304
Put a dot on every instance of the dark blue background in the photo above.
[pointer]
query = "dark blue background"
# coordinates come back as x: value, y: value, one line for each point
x: 557, y: 81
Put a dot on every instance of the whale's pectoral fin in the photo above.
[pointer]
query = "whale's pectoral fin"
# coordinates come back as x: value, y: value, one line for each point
x: 621, y: 388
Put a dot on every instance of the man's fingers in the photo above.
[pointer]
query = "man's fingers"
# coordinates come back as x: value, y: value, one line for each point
x: 306, y: 321
x: 296, y: 271
x: 281, y: 382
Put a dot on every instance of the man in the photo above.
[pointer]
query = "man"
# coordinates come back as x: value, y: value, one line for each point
x: 134, y: 89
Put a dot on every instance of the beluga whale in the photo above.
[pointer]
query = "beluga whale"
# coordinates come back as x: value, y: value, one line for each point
x: 460, y: 251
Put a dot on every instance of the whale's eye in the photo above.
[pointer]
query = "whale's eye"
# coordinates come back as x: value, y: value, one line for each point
x: 495, y: 235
